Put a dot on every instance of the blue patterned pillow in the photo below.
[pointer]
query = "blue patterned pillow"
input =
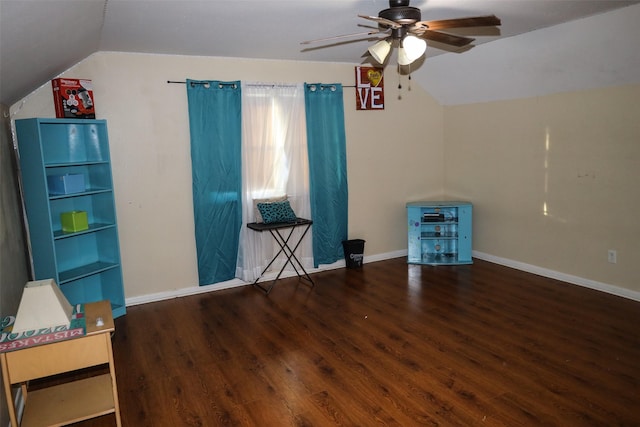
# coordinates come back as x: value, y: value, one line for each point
x: 276, y: 212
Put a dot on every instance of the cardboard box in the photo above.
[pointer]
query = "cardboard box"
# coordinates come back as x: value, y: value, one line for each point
x: 74, y: 221
x: 73, y: 98
x: 66, y: 184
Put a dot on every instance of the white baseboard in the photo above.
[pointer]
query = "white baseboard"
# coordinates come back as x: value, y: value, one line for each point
x: 575, y: 280
x: 194, y: 290
x: 183, y: 292
x: 234, y: 283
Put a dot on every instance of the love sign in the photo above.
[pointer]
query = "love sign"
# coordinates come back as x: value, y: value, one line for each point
x: 369, y: 88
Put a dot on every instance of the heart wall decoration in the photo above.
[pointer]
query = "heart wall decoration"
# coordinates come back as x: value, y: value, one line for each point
x: 369, y: 88
x: 375, y: 76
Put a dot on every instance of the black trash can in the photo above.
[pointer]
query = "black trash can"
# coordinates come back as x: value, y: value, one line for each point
x: 353, y: 252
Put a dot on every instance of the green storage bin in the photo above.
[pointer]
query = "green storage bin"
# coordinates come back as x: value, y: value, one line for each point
x: 74, y: 221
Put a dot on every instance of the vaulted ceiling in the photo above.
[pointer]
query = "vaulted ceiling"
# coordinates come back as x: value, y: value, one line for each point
x: 39, y: 39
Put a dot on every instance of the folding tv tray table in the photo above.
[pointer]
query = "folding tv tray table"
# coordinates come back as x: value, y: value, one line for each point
x: 285, y: 247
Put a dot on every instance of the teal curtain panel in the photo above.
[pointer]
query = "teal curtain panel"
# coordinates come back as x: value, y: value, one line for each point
x: 327, y: 170
x: 215, y: 123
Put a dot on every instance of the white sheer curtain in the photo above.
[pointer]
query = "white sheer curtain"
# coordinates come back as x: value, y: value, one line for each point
x: 274, y: 163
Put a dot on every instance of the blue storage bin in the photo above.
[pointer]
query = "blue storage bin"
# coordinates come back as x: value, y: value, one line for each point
x: 66, y: 184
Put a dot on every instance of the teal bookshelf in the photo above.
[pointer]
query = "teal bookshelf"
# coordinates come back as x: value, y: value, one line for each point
x: 84, y: 263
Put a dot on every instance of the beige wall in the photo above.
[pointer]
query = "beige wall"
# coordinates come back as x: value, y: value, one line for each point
x: 554, y: 180
x: 394, y: 155
x: 14, y: 268
x: 14, y: 264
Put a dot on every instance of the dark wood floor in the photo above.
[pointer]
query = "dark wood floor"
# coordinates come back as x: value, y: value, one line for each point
x: 388, y: 345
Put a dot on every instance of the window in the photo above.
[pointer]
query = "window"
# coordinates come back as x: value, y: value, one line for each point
x: 274, y: 163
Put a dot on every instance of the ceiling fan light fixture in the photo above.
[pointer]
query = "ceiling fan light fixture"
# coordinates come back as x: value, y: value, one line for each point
x: 411, y: 49
x: 380, y: 50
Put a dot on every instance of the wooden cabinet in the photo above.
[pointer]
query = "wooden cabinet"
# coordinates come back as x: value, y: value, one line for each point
x: 439, y: 233
x: 72, y: 401
x: 66, y: 178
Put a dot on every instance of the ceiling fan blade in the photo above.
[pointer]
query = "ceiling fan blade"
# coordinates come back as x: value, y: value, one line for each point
x: 383, y: 21
x: 445, y: 38
x: 368, y: 33
x: 477, y: 21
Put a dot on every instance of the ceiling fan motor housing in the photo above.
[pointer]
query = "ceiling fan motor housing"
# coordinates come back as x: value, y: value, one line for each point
x: 404, y: 15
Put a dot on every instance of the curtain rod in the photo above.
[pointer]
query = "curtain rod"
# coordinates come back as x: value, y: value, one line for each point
x: 250, y: 84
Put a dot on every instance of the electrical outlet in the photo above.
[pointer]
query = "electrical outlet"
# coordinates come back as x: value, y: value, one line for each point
x: 612, y: 256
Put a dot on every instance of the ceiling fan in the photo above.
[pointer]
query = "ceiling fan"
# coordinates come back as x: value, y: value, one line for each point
x: 404, y: 28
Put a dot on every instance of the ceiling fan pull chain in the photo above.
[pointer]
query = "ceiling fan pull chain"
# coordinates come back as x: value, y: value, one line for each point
x: 399, y: 84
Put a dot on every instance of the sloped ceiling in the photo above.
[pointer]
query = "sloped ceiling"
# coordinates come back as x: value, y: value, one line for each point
x: 39, y: 39
x: 574, y: 56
